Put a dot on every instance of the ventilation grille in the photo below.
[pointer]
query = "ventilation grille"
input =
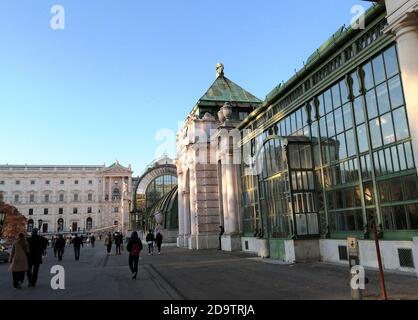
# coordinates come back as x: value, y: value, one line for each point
x: 405, y: 258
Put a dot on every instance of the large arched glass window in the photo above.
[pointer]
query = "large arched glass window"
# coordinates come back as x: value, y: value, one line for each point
x: 158, y: 188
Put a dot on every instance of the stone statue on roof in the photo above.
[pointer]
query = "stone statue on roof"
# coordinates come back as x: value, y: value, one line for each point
x: 219, y: 70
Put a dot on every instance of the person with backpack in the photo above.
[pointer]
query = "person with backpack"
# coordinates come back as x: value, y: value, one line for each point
x: 134, y: 248
x: 150, y: 240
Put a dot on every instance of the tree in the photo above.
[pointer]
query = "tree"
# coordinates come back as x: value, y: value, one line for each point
x: 14, y: 222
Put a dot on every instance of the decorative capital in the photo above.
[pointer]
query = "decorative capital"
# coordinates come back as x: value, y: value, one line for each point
x: 220, y: 70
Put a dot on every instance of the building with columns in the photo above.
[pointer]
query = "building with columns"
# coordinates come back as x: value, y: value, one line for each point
x: 329, y: 154
x: 69, y: 198
x: 208, y: 188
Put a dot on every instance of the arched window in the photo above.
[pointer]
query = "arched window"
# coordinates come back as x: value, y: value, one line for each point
x: 30, y: 225
x: 89, y: 224
x: 158, y: 188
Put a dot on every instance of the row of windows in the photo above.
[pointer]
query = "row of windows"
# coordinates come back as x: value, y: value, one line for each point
x: 46, y: 211
x: 400, y: 217
x: 17, y: 198
x: 60, y: 225
x: 47, y: 182
x: 359, y: 131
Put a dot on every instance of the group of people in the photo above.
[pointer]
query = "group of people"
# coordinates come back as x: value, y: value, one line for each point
x: 151, y: 239
x: 26, y: 255
x: 116, y: 238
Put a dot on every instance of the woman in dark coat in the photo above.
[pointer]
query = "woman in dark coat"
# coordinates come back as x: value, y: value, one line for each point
x: 60, y: 246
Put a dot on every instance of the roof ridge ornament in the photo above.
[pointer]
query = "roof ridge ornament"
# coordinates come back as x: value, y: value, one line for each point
x: 220, y: 70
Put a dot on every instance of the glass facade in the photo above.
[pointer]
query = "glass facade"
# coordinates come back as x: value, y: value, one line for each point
x: 356, y: 169
x: 158, y: 188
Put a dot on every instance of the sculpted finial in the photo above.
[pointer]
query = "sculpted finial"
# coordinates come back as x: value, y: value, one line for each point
x: 220, y: 70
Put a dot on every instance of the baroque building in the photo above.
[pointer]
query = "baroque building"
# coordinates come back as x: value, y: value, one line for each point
x: 58, y: 199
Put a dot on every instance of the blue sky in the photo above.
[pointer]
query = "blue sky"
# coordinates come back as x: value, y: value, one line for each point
x: 121, y: 71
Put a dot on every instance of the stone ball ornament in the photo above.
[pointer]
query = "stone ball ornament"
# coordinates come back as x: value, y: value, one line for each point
x: 159, y: 217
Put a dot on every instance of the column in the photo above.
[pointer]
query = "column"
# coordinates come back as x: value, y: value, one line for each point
x: 232, y: 224
x: 186, y: 206
x: 104, y: 188
x: 193, y: 210
x: 180, y: 238
x: 405, y: 28
x: 110, y: 188
x: 231, y: 241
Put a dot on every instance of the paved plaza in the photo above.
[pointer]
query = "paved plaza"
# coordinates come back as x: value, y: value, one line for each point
x: 180, y: 274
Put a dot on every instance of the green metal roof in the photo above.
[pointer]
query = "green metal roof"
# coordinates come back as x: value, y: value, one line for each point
x: 224, y: 90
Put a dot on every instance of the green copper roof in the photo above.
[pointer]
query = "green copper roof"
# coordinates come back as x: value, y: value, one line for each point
x: 224, y: 90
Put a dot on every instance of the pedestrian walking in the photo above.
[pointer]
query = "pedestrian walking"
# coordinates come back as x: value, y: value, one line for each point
x: 150, y: 241
x: 221, y: 232
x: 108, y: 243
x: 159, y: 241
x: 60, y: 246
x: 77, y: 244
x: 92, y: 240
x: 36, y: 248
x: 118, y: 243
x: 134, y: 248
x: 45, y: 243
x: 19, y: 261
x: 53, y: 241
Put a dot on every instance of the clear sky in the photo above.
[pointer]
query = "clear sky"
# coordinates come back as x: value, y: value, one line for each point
x: 122, y: 71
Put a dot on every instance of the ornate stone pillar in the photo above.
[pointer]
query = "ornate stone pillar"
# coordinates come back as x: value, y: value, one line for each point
x: 231, y: 241
x: 403, y: 24
x: 193, y: 209
x: 110, y: 188
x: 180, y: 179
x: 186, y: 208
x: 104, y: 188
